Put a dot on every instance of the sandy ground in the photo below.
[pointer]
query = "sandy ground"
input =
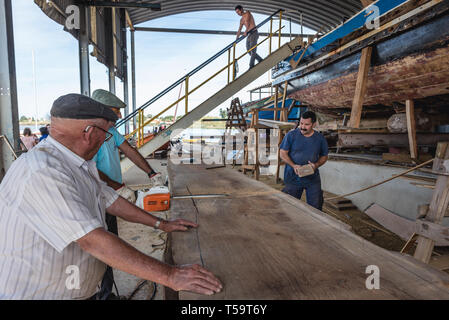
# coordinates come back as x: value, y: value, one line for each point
x: 146, y: 239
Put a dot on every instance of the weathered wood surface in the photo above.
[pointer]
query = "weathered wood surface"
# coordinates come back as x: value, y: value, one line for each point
x: 413, y: 77
x: 264, y: 244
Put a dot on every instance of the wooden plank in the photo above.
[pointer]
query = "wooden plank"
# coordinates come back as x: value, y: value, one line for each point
x: 281, y: 135
x: 339, y: 201
x: 341, y: 207
x: 257, y: 171
x: 418, y: 178
x: 433, y: 231
x: 411, y: 128
x: 129, y: 21
x: 427, y: 186
x: 400, y: 226
x: 440, y: 262
x: 402, y: 157
x: 405, y: 228
x: 277, y: 124
x: 366, y: 3
x: 264, y: 244
x: 271, y: 109
x: 284, y: 96
x: 276, y: 93
x: 439, y: 203
x: 356, y: 140
x: 410, y: 242
x: 93, y: 26
x: 360, y: 89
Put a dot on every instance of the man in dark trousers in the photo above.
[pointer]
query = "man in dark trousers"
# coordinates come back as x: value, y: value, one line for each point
x: 304, y: 146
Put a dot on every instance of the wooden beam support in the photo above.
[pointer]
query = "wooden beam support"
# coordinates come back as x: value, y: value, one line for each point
x: 284, y: 96
x: 279, y: 160
x: 430, y: 230
x: 439, y: 204
x: 270, y: 109
x: 360, y: 89
x: 257, y: 168
x: 93, y: 26
x: 129, y: 21
x: 363, y: 138
x: 411, y: 128
x: 276, y: 101
x: 114, y: 39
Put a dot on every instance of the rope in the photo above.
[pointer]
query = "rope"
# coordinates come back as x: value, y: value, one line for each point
x: 382, y: 182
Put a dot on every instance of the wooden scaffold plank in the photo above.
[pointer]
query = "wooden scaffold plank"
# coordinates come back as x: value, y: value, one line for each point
x: 264, y: 244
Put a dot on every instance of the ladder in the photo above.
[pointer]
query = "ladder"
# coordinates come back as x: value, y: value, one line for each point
x: 236, y: 118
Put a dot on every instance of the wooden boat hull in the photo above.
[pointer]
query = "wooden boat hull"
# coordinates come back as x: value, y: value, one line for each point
x: 411, y: 65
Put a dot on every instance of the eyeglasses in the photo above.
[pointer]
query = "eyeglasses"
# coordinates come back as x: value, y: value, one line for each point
x: 108, y: 134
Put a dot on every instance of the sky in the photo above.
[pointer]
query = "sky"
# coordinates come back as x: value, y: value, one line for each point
x: 161, y: 59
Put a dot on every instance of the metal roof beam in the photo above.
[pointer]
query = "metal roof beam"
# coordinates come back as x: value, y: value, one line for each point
x: 220, y: 32
x: 111, y: 4
x: 323, y: 13
x: 309, y: 20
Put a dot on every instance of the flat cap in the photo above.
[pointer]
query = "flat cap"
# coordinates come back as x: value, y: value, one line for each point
x: 77, y: 106
x: 107, y: 98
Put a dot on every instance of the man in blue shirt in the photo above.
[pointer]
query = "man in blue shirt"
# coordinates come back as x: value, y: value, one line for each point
x: 108, y: 165
x: 107, y: 158
x: 300, y: 147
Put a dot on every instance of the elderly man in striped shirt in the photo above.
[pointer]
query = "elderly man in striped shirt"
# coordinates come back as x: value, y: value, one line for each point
x: 53, y: 242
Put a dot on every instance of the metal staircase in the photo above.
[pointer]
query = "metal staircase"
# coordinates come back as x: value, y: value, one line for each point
x: 234, y: 86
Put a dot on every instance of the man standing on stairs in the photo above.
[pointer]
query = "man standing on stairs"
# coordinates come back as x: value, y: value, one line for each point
x: 247, y: 20
x: 304, y: 146
x: 108, y: 165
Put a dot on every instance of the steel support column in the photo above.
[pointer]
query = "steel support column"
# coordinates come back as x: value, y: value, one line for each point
x: 84, y: 51
x: 125, y: 77
x: 9, y: 115
x: 111, y: 78
x: 133, y: 75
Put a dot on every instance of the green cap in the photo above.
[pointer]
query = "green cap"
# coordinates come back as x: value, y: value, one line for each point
x: 107, y: 98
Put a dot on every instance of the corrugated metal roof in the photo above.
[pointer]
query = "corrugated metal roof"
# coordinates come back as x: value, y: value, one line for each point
x: 316, y: 13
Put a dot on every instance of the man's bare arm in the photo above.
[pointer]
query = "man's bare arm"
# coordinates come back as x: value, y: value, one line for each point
x: 116, y: 253
x: 113, y: 184
x: 286, y: 158
x: 240, y: 28
x: 126, y: 210
x: 135, y: 156
x: 322, y: 160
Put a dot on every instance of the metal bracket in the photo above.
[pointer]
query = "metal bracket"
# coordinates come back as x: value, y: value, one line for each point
x: 9, y: 145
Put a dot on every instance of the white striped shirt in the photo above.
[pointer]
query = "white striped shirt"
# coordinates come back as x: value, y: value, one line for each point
x: 49, y: 198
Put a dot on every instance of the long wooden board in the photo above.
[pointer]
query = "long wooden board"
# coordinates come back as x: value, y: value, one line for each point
x: 264, y: 244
